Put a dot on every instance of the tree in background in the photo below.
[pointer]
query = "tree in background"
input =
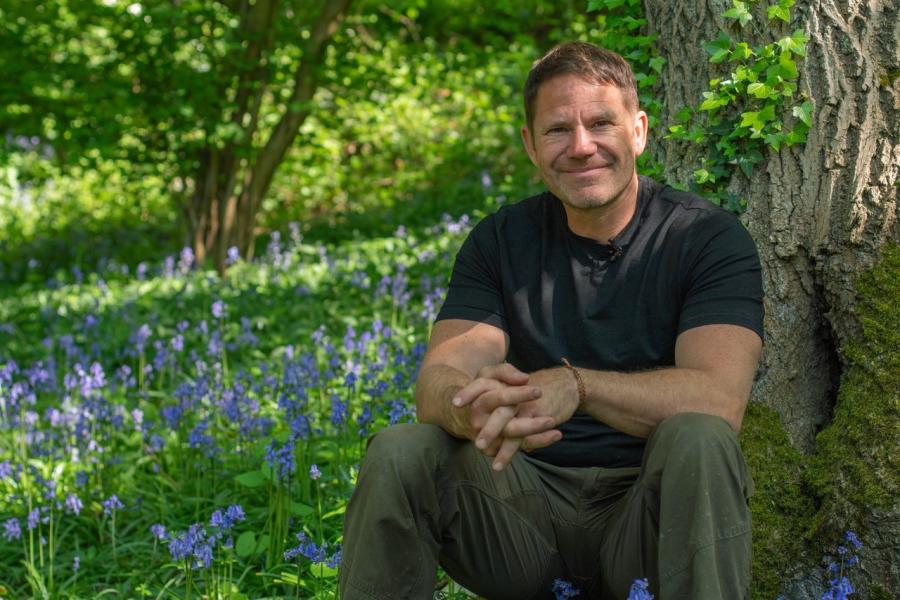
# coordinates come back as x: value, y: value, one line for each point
x: 211, y: 95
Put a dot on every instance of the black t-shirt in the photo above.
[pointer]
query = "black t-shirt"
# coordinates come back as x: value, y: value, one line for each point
x: 681, y: 262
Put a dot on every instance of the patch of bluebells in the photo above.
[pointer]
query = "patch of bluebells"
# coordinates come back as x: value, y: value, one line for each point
x: 840, y: 587
x: 195, y: 546
x: 83, y: 404
x: 317, y: 554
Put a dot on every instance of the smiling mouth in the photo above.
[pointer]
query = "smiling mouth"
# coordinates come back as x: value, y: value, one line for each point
x: 584, y: 171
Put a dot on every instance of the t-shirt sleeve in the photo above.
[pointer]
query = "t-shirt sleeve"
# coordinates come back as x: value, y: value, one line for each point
x: 724, y: 285
x: 475, y: 290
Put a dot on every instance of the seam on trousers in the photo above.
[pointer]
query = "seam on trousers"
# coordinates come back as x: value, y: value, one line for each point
x: 551, y: 550
x: 500, y: 501
x: 731, y: 533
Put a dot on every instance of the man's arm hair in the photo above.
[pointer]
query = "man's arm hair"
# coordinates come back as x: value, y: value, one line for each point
x: 713, y: 374
x: 457, y: 350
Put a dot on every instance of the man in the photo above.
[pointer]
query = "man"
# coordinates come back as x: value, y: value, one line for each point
x: 583, y: 384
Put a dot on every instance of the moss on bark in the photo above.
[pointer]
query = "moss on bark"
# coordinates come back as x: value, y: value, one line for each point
x: 857, y: 459
x: 804, y: 503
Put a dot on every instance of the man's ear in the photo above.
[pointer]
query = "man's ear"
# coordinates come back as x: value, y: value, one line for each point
x: 528, y: 142
x: 640, y: 132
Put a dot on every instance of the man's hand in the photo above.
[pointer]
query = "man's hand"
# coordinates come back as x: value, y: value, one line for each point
x: 511, y: 410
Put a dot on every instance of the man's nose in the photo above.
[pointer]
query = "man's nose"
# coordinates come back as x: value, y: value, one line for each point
x: 580, y: 143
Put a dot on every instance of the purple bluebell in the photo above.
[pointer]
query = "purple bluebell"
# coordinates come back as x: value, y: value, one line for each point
x: 219, y: 310
x: 12, y: 529
x: 563, y: 589
x: 74, y: 504
x: 232, y: 256
x: 33, y: 519
x: 159, y: 532
x: 111, y: 504
x: 76, y: 563
x: 314, y: 472
x: 640, y: 590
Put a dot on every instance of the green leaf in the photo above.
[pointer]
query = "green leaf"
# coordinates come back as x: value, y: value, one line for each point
x: 759, y: 90
x: 323, y: 571
x: 804, y: 113
x: 767, y: 113
x: 657, y: 63
x: 251, y: 479
x: 788, y: 66
x: 739, y: 12
x: 741, y: 51
x: 301, y: 510
x: 751, y: 119
x: 719, y: 48
x: 778, y: 12
x: 245, y: 544
x: 702, y: 176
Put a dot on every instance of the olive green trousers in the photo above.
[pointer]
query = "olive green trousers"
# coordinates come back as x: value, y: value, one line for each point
x: 424, y: 498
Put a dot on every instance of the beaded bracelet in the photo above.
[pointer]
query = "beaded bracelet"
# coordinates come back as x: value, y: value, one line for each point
x: 578, y: 380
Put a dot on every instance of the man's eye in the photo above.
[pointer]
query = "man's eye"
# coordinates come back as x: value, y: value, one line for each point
x: 599, y: 124
x: 556, y: 130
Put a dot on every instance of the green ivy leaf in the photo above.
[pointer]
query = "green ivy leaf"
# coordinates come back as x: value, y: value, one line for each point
x: 741, y: 51
x: 788, y: 66
x: 702, y: 176
x: 798, y: 42
x: 657, y: 63
x: 778, y: 12
x: 739, y: 13
x: 719, y: 48
x: 759, y: 90
x: 804, y: 113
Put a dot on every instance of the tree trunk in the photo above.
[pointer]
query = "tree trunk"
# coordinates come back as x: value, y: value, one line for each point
x: 820, y: 212
x: 221, y: 214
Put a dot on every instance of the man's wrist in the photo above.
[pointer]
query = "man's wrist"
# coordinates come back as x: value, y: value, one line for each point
x: 579, y: 382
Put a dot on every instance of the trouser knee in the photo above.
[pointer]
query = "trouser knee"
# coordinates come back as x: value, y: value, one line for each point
x: 406, y: 451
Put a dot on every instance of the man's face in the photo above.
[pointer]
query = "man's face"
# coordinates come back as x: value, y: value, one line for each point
x: 584, y: 140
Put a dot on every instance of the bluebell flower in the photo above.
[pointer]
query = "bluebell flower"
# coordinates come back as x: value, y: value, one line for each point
x: 640, y: 590
x: 314, y: 472
x: 74, y: 504
x: 232, y: 256
x: 562, y: 589
x: 339, y: 409
x: 111, y: 504
x: 219, y: 310
x: 850, y: 537
x: 33, y: 518
x: 12, y: 529
x: 6, y: 470
x: 76, y: 563
x: 159, y: 532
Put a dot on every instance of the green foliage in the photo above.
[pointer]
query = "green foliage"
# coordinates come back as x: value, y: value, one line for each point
x: 619, y: 28
x: 753, y: 107
x: 53, y: 219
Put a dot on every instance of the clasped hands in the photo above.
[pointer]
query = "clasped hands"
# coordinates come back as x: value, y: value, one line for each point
x: 509, y: 410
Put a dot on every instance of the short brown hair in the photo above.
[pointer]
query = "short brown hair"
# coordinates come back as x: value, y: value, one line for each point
x: 593, y: 63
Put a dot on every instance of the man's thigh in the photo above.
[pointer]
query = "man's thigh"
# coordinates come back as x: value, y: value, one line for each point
x: 500, y: 528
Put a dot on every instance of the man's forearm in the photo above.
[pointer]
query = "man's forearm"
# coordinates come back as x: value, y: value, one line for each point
x: 635, y: 403
x: 435, y: 388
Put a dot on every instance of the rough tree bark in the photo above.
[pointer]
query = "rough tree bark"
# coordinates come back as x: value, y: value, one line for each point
x: 232, y: 180
x: 821, y: 212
